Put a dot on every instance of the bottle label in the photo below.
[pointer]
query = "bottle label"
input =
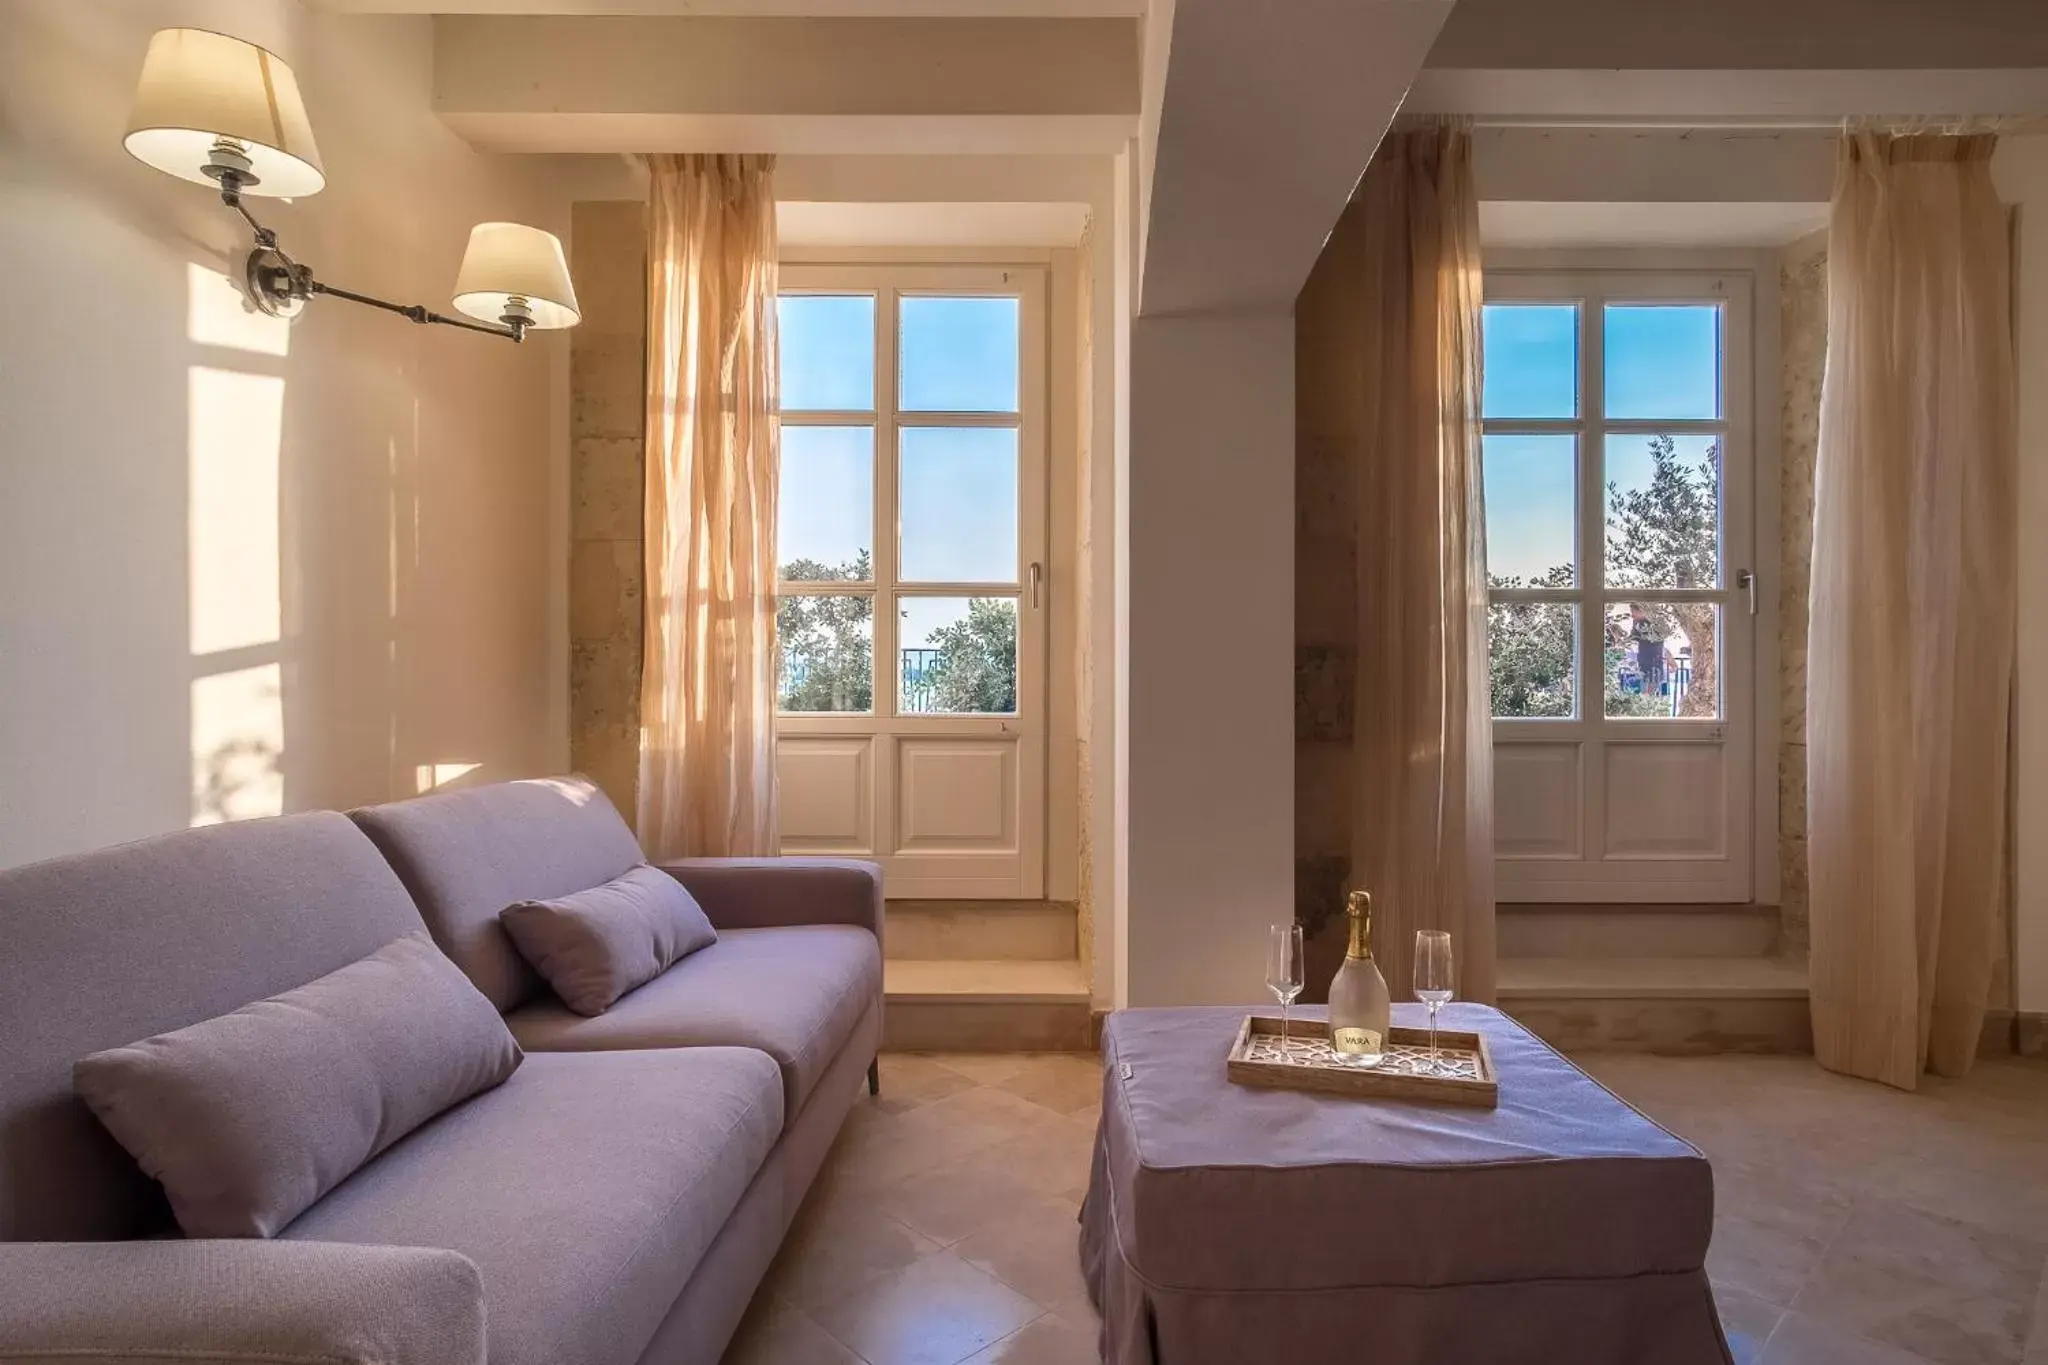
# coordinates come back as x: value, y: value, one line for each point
x: 1356, y: 1040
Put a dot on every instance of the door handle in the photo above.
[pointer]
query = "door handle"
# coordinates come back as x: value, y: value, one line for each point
x: 1746, y: 580
x: 1036, y: 574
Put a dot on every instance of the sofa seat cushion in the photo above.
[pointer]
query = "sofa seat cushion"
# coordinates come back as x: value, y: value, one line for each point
x: 586, y: 1189
x: 796, y: 993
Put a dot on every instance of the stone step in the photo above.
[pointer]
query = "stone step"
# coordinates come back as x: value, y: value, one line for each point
x: 985, y: 1005
x: 1660, y: 1004
x: 1636, y: 931
x: 982, y: 930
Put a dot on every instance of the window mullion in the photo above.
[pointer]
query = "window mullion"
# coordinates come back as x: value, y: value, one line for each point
x: 888, y: 512
x: 1592, y: 577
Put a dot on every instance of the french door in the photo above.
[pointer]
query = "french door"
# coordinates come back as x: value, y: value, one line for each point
x: 911, y: 552
x: 1617, y: 452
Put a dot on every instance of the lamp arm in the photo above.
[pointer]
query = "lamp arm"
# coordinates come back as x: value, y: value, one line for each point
x: 275, y: 287
x: 415, y: 312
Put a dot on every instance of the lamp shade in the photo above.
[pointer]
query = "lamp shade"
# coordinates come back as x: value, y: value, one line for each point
x: 198, y: 88
x: 510, y: 260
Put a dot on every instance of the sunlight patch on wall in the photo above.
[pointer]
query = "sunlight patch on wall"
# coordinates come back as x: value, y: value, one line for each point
x: 432, y: 775
x: 236, y: 427
x: 216, y: 314
x: 238, y: 745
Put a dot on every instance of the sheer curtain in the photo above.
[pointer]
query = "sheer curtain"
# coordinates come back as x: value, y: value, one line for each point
x: 1910, y: 643
x: 1422, y: 745
x: 707, y: 691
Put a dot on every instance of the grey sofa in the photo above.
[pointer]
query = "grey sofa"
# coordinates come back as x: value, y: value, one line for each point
x: 616, y: 1201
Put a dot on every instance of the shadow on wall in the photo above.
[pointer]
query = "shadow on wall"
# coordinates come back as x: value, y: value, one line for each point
x: 239, y: 552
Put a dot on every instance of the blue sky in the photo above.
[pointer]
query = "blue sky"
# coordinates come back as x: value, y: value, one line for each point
x: 957, y: 485
x: 1662, y: 361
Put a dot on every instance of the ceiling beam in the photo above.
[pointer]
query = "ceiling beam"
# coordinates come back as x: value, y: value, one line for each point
x: 1264, y: 128
x: 893, y: 86
x: 759, y: 9
x: 1727, y: 98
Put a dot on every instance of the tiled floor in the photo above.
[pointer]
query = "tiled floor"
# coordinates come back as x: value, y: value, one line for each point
x: 1856, y: 1224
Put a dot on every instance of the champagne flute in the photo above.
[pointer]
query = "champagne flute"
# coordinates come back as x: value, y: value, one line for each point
x: 1284, y: 976
x: 1435, y: 982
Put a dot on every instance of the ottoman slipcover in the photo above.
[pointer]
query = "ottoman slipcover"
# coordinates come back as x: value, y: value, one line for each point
x: 1225, y: 1223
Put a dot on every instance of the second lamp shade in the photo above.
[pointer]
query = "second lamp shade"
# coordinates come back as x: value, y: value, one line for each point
x: 510, y: 260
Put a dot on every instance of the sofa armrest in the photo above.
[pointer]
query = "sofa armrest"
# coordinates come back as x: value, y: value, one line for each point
x: 757, y: 893
x: 142, y: 1303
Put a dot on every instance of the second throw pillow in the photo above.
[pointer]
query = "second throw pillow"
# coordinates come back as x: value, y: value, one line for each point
x: 596, y: 945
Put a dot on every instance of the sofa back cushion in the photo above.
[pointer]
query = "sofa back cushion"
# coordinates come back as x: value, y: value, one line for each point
x: 99, y: 949
x: 466, y: 855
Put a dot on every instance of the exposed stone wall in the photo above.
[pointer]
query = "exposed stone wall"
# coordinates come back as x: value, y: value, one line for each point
x: 1325, y: 610
x: 607, y: 368
x: 1803, y: 339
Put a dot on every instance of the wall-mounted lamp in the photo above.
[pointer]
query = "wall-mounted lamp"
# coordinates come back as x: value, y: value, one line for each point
x: 218, y: 111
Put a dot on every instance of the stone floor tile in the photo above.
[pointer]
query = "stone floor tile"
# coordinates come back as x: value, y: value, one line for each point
x: 1956, y: 1293
x: 1066, y: 1083
x: 910, y: 1080
x: 953, y: 1201
x: 1747, y: 1321
x: 1036, y: 1252
x: 1801, y: 1340
x: 1770, y: 1229
x: 1055, y: 1339
x: 774, y: 1333
x: 838, y: 1247
x: 939, y: 1311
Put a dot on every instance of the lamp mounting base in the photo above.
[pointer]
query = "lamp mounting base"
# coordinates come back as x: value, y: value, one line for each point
x: 272, y: 283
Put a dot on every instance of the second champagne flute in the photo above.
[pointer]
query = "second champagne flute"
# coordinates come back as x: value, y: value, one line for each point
x: 1435, y: 981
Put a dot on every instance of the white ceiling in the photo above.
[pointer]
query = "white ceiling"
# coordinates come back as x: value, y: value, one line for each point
x: 1529, y: 224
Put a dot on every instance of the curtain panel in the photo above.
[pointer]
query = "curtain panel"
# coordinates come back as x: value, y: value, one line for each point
x: 1911, y: 637
x: 1403, y: 270
x: 707, y: 694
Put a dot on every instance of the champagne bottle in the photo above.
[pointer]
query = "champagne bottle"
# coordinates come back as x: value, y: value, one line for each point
x: 1359, y: 1004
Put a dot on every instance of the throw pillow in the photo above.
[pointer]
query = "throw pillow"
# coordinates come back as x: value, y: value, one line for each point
x: 596, y: 945
x: 247, y: 1119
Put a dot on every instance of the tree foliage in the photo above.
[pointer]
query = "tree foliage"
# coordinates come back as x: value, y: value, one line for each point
x: 976, y: 669
x: 825, y: 643
x: 1531, y: 645
x: 1660, y: 536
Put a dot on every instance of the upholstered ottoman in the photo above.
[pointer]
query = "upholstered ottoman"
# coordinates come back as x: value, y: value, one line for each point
x: 1227, y: 1224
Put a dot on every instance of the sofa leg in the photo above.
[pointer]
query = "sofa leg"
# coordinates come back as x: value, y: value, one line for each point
x: 875, y: 1076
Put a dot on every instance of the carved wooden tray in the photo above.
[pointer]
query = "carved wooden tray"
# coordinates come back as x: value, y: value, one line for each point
x: 1465, y: 1074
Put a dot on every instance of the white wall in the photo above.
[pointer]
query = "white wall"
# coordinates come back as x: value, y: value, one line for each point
x: 245, y: 568
x: 1209, y: 621
x: 2021, y: 170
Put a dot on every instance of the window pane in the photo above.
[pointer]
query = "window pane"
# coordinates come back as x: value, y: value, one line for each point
x: 1663, y: 511
x: 827, y: 352
x: 1531, y: 353
x: 1534, y: 657
x: 958, y: 488
x: 1663, y: 360
x: 959, y: 355
x: 1532, y: 515
x: 825, y: 520
x: 958, y: 654
x: 826, y: 653
x: 1661, y: 660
